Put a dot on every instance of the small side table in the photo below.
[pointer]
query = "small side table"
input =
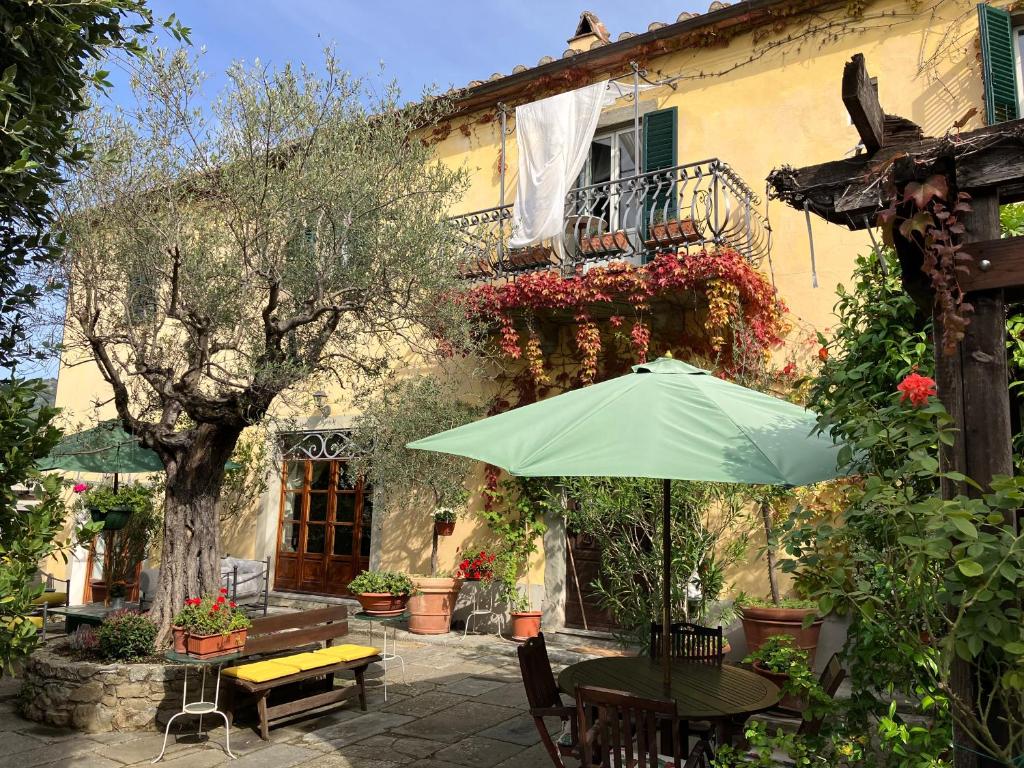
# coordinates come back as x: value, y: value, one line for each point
x: 385, y: 657
x: 200, y: 706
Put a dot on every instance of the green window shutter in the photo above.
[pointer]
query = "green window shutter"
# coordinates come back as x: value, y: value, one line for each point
x: 998, y: 67
x: 660, y: 145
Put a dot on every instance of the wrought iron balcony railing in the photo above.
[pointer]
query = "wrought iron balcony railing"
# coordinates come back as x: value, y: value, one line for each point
x: 691, y: 206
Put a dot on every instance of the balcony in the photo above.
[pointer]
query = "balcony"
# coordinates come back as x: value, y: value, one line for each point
x: 687, y: 207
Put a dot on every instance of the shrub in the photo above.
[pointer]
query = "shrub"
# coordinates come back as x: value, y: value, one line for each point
x: 127, y: 636
x: 383, y: 582
x: 212, y: 615
x: 83, y: 639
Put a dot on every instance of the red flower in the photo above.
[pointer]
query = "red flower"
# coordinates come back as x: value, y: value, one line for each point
x: 216, y: 607
x: 917, y: 389
x: 823, y: 354
x: 223, y: 590
x: 233, y: 604
x: 220, y: 599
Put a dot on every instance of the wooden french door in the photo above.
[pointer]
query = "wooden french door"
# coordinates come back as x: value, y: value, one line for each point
x: 323, y: 537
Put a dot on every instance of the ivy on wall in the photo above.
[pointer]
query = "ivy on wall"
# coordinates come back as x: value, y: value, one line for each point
x: 736, y: 317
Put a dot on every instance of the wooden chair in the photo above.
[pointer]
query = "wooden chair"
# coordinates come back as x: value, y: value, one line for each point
x: 689, y: 641
x: 619, y: 730
x: 545, y: 700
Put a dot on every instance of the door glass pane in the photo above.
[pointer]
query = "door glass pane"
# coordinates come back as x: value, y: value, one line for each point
x: 367, y: 526
x: 321, y: 476
x: 627, y: 154
x: 292, y: 506
x: 600, y: 172
x: 295, y: 472
x: 318, y: 506
x: 343, y: 540
x: 346, y: 510
x: 346, y: 477
x: 315, y: 537
x: 290, y: 537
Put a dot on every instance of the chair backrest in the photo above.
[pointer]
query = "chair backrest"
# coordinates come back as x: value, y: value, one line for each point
x: 689, y: 641
x: 620, y: 730
x: 288, y: 631
x: 830, y: 679
x: 538, y: 679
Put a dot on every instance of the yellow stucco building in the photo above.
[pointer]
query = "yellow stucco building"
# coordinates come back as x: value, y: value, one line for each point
x: 702, y: 109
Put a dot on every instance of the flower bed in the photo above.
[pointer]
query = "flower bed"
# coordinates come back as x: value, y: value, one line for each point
x: 96, y: 697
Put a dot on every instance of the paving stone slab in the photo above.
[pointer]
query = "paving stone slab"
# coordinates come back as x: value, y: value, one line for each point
x: 519, y: 730
x: 426, y: 704
x: 462, y: 720
x: 507, y: 695
x: 276, y: 756
x: 478, y: 751
x: 473, y: 686
x: 357, y: 729
x: 531, y: 757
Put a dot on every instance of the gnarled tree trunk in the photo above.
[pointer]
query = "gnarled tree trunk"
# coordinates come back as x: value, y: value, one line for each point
x: 190, y: 554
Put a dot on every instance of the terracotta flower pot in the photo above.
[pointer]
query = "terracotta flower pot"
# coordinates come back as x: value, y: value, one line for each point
x: 444, y: 528
x: 179, y: 634
x: 209, y: 646
x: 672, y: 232
x: 525, y: 624
x: 761, y: 623
x: 431, y: 605
x: 779, y: 678
x: 382, y: 603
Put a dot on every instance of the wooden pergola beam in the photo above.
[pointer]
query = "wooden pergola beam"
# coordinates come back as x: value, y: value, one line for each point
x: 847, y: 192
x: 861, y: 100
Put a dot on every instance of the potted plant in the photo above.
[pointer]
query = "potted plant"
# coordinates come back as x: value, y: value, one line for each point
x: 444, y: 521
x: 109, y: 506
x: 611, y: 242
x: 781, y: 661
x: 432, y: 602
x: 514, y: 515
x: 766, y: 619
x: 217, y: 626
x: 480, y: 567
x: 382, y: 593
x: 665, y: 231
x: 762, y: 619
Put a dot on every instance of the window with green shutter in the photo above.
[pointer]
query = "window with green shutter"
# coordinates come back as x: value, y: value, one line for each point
x: 998, y: 64
x: 659, y: 152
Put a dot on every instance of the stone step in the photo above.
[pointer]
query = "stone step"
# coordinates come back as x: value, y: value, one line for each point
x: 302, y: 602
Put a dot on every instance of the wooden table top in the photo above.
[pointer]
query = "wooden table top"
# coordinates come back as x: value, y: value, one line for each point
x: 701, y: 691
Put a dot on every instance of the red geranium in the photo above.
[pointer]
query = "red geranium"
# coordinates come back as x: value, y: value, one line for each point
x: 477, y: 568
x: 917, y: 389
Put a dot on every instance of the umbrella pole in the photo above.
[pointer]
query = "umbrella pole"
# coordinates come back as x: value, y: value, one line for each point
x: 666, y: 586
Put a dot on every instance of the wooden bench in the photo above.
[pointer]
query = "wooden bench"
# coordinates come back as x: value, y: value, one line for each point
x: 270, y: 636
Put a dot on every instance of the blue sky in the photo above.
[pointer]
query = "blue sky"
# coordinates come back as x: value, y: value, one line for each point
x: 444, y: 43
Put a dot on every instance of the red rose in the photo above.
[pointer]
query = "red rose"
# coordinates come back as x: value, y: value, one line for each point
x: 917, y: 389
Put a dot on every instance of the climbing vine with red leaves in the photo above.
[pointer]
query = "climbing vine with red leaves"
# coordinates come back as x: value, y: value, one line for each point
x: 924, y: 215
x: 736, y: 318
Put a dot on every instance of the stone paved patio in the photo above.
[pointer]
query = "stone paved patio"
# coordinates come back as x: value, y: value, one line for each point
x: 461, y: 704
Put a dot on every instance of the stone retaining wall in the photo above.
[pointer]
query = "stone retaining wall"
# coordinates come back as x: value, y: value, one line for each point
x: 95, y: 697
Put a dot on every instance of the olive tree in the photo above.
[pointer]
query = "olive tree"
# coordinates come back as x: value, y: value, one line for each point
x: 219, y: 258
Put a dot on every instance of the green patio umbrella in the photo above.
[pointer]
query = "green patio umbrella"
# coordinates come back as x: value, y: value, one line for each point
x: 105, y: 448
x: 665, y: 420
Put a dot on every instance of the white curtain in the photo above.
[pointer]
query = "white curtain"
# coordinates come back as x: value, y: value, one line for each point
x: 554, y: 136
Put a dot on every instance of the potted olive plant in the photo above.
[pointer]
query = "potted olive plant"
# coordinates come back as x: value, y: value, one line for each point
x: 762, y: 618
x: 444, y: 521
x: 404, y: 412
x: 382, y: 593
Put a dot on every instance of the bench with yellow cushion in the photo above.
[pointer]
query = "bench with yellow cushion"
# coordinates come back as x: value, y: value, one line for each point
x: 51, y: 599
x: 283, y: 666
x: 300, y: 681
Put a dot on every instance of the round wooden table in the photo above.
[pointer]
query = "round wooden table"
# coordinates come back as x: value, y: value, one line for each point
x: 701, y: 691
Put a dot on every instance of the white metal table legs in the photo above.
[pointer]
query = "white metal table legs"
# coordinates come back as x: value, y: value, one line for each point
x: 385, y: 657
x: 199, y: 707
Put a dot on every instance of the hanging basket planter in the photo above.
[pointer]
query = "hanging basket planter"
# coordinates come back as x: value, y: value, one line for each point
x: 444, y: 527
x: 113, y: 519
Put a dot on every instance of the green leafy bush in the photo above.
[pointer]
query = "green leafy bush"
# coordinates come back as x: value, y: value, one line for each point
x: 778, y: 654
x: 127, y: 636
x: 381, y: 582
